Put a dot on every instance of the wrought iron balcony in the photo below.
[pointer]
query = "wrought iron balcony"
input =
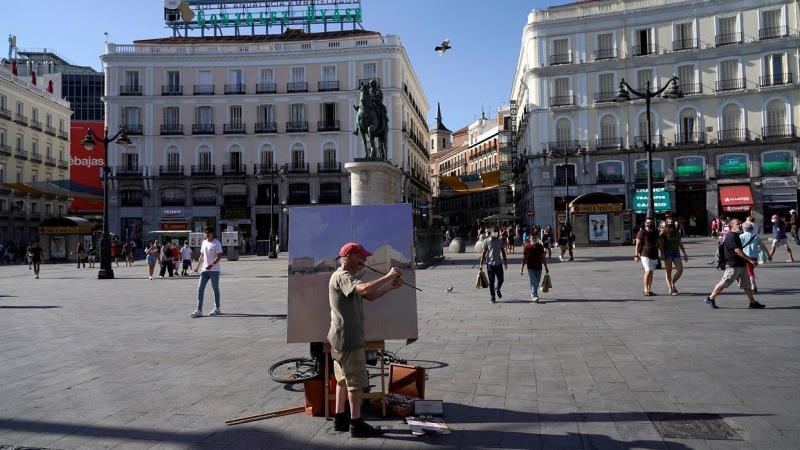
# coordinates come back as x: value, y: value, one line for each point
x: 605, y: 97
x: 234, y: 169
x: 170, y: 170
x: 561, y: 180
x: 297, y: 167
x: 609, y: 143
x: 266, y: 127
x: 5, y: 114
x: 49, y: 130
x: 731, y: 85
x: 63, y: 135
x: 328, y: 125
x: 778, y: 132
x: 20, y: 119
x: 684, y: 44
x: 692, y: 88
x: 36, y: 125
x: 363, y: 81
x: 133, y: 130
x: 204, y: 201
x: 203, y: 128
x: 729, y: 39
x: 328, y: 86
x: 234, y: 128
x: 49, y: 161
x: 20, y: 153
x: 606, y: 53
x: 733, y: 135
x: 772, y: 33
x: 204, y: 169
x: 562, y: 100
x: 36, y: 157
x: 778, y: 79
x: 640, y: 141
x: 62, y: 164
x: 172, y: 89
x: 126, y: 89
x: 564, y: 58
x: 301, y: 86
x: 266, y: 88
x: 642, y: 50
x: 296, y: 127
x: 559, y: 146
x: 234, y: 89
x: 265, y: 169
x: 129, y: 171
x: 172, y: 129
x: 693, y: 138
x: 173, y: 201
x: 5, y: 150
x: 329, y: 167
x: 203, y: 89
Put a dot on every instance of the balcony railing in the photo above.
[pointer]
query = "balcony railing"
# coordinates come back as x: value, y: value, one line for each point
x: 204, y: 169
x: 640, y: 141
x: 203, y: 128
x: 5, y: 150
x: 130, y: 90
x: 49, y: 161
x: 731, y: 85
x: 233, y: 169
x: 609, y: 143
x: 36, y: 157
x: 729, y: 39
x: 694, y: 138
x: 328, y: 125
x: 203, y: 89
x: 234, y: 89
x: 296, y: 127
x: 363, y: 81
x: 20, y: 153
x: 329, y: 167
x: 684, y: 44
x: 265, y: 169
x: 561, y: 180
x: 133, y: 130
x: 204, y: 201
x: 63, y: 135
x: 564, y: 58
x: 605, y: 97
x: 327, y: 86
x: 604, y: 178
x: 778, y: 132
x: 5, y: 114
x: 173, y: 201
x: 266, y: 127
x: 642, y: 50
x: 172, y: 129
x: 20, y: 119
x: 129, y: 171
x: 297, y: 87
x: 733, y: 135
x: 170, y: 170
x: 606, y: 53
x: 778, y: 79
x: 772, y: 33
x: 234, y: 128
x: 62, y: 164
x: 559, y: 146
x: 266, y: 88
x: 297, y: 167
x: 691, y: 88
x: 49, y: 130
x: 36, y: 125
x: 172, y: 89
x: 562, y: 100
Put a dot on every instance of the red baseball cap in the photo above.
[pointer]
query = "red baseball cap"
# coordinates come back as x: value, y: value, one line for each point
x: 353, y: 248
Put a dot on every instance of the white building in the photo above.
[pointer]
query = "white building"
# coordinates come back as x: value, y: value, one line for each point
x: 206, y: 113
x: 733, y: 131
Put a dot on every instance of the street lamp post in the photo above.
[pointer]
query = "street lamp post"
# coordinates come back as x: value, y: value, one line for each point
x: 623, y: 95
x: 89, y: 142
x: 282, y: 171
x: 566, y: 154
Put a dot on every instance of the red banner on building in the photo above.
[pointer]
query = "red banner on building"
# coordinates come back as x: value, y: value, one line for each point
x: 84, y: 165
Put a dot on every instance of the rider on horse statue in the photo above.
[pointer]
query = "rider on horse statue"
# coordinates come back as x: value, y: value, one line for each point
x: 376, y: 97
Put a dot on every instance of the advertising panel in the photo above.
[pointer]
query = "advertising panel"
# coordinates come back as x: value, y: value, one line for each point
x: 598, y: 230
x: 84, y: 165
x: 732, y: 166
x: 777, y: 163
x: 690, y: 168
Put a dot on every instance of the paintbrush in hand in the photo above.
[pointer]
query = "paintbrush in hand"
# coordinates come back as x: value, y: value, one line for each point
x: 401, y: 280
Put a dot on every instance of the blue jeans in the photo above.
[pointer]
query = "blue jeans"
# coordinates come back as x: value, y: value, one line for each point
x: 535, y: 276
x: 204, y: 277
x: 494, y: 272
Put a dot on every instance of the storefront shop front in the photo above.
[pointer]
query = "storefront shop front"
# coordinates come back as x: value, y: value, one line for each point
x: 736, y: 201
x: 599, y: 219
x: 778, y: 196
x: 59, y: 236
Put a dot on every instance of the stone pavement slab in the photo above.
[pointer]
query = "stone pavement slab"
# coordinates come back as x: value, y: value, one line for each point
x: 87, y: 363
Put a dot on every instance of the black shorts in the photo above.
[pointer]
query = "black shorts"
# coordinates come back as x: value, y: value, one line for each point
x: 562, y: 241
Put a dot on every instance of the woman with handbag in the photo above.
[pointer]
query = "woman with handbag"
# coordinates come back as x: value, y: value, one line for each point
x: 533, y: 258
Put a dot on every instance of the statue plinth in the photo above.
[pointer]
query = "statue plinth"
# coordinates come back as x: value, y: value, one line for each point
x: 373, y: 182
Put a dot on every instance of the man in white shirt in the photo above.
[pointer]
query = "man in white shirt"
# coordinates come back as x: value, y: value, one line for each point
x: 210, y: 254
x: 187, y: 257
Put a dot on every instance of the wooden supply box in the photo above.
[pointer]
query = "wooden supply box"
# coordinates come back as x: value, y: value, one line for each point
x: 405, y: 380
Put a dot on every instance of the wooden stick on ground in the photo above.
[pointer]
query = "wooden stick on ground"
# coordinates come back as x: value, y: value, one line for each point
x: 269, y: 415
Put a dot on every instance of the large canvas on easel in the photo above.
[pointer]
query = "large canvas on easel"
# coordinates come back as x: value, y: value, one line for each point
x: 315, y: 237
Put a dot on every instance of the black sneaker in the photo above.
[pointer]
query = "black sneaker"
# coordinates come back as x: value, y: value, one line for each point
x: 499, y: 294
x: 570, y: 259
x: 756, y: 305
x: 711, y: 303
x: 341, y: 422
x: 359, y: 428
x: 492, y: 299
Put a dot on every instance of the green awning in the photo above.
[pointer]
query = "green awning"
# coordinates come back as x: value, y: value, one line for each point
x: 661, y: 202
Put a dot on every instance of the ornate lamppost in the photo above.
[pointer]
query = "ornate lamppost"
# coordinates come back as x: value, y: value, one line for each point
x: 578, y: 151
x: 282, y: 171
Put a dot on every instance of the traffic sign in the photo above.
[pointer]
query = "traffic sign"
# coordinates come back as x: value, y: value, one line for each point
x: 530, y: 214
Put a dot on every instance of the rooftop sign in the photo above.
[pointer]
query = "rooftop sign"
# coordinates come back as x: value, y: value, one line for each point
x: 258, y: 17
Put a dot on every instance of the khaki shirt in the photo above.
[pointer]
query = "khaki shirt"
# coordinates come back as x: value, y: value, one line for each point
x: 347, y: 312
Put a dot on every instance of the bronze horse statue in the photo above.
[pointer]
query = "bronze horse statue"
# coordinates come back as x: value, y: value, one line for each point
x: 371, y: 125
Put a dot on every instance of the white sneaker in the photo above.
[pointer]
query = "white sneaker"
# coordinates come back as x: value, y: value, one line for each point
x: 561, y: 258
x: 215, y: 312
x: 535, y: 299
x: 197, y: 313
x: 151, y: 277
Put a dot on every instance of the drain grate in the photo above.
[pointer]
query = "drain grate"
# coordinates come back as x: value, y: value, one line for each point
x: 693, y: 426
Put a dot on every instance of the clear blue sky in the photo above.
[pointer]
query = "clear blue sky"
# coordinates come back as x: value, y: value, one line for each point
x: 477, y: 71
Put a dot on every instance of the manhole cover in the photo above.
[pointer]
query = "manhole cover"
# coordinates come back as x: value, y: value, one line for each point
x: 693, y: 426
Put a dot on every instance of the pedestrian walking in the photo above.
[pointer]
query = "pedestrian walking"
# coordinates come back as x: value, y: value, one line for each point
x: 671, y: 245
x: 187, y: 256
x: 547, y: 241
x: 533, y: 259
x: 647, y: 252
x: 751, y: 243
x: 208, y: 266
x: 346, y: 334
x: 35, y: 255
x: 566, y: 239
x: 752, y: 221
x: 151, y: 256
x: 126, y: 252
x: 779, y: 237
x: 166, y: 260
x: 92, y: 253
x: 793, y: 226
x: 692, y: 226
x: 115, y: 252
x: 511, y: 235
x: 735, y: 268
x: 80, y: 253
x: 494, y: 253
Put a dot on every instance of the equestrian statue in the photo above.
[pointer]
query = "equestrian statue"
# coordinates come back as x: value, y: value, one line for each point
x: 372, y: 121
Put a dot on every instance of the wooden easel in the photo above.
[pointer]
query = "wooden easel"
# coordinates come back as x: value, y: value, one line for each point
x: 380, y: 346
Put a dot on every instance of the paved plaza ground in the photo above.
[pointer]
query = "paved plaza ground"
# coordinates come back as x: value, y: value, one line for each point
x: 95, y: 364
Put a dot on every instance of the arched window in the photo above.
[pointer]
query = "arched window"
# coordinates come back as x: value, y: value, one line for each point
x: 173, y: 196
x: 608, y: 133
x: 267, y: 156
x: 563, y: 133
x: 298, y: 157
x: 173, y: 159
x: 776, y: 113
x: 130, y: 161
x: 235, y: 159
x: 329, y: 154
x: 643, y: 137
x: 204, y: 160
x: 731, y: 128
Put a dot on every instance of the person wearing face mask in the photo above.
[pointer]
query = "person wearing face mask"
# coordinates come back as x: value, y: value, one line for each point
x: 671, y: 246
x: 779, y: 237
x: 647, y: 252
x: 735, y: 268
x: 533, y: 258
x: 494, y: 253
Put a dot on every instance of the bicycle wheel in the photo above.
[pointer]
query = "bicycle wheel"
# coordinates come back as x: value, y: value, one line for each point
x: 293, y: 370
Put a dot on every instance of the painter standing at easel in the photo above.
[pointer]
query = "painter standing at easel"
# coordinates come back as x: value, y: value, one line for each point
x: 347, y: 337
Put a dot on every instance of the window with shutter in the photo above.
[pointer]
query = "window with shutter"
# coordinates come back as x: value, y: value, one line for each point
x: 688, y: 126
x: 329, y: 155
x: 204, y: 116
x: 267, y: 158
x: 608, y: 128
x: 298, y: 112
x: 235, y: 157
x: 236, y: 115
x: 132, y: 116
x: 369, y: 71
x: 563, y: 132
x: 267, y: 76
x: 776, y: 114
x: 687, y: 81
x: 172, y: 116
x: 204, y: 157
x: 298, y: 156
x: 298, y: 74
x: 562, y: 87
x: 173, y: 158
x: 731, y: 118
x: 642, y: 77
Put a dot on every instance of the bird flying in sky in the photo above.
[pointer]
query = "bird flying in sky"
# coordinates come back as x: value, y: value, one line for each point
x: 444, y: 47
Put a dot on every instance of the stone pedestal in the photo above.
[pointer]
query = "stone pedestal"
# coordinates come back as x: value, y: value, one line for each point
x: 457, y: 245
x: 373, y: 182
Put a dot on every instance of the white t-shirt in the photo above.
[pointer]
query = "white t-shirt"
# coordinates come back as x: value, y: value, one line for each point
x: 209, y: 251
x: 186, y: 253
